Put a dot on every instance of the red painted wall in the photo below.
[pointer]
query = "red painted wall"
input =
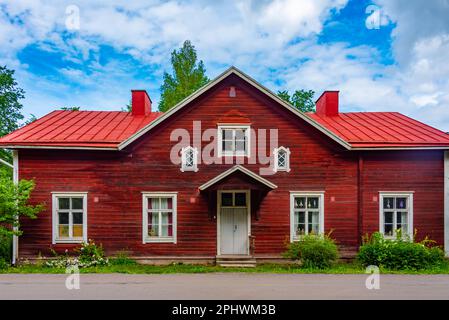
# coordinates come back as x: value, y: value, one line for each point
x: 317, y: 164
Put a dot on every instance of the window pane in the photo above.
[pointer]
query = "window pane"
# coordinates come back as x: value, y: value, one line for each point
x: 300, y: 217
x: 77, y: 218
x: 313, y: 218
x: 312, y: 202
x: 300, y: 229
x: 78, y: 230
x: 388, y: 217
x: 227, y: 145
x: 388, y: 203
x: 401, y: 203
x: 226, y: 199
x: 166, y: 218
x: 240, y: 146
x: 77, y: 203
x: 63, y: 218
x: 166, y: 203
x: 388, y: 229
x: 401, y: 219
x: 227, y: 134
x: 189, y: 158
x: 63, y: 231
x: 153, y: 203
x: 282, y: 159
x: 300, y: 203
x: 240, y: 199
x: 153, y: 224
x: 64, y: 203
x: 240, y: 134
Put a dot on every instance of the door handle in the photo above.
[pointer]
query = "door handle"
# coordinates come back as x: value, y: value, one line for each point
x: 235, y: 228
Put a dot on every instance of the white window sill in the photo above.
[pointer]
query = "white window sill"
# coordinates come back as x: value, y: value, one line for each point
x: 68, y: 241
x: 159, y: 240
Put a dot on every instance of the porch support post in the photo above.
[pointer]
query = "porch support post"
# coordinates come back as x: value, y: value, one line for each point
x: 446, y: 203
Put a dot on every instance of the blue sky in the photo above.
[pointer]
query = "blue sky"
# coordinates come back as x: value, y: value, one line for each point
x: 382, y: 55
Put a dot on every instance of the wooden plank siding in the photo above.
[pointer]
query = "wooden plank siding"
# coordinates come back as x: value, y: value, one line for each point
x: 114, y: 182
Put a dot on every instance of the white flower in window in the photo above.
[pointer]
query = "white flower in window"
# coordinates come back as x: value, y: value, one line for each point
x: 189, y: 159
x: 281, y: 159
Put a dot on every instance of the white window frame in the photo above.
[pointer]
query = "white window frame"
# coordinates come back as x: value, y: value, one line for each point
x: 296, y: 194
x: 145, y: 237
x: 222, y: 153
x: 287, y: 159
x: 396, y: 194
x: 184, y: 166
x: 55, y: 217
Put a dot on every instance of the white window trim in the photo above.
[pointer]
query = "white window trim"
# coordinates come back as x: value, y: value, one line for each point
x: 184, y: 168
x: 145, y: 237
x: 403, y: 194
x: 222, y: 153
x: 287, y: 160
x: 55, y: 195
x: 293, y: 195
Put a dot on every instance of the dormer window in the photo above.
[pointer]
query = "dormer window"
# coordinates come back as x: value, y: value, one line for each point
x: 281, y: 159
x: 189, y: 159
x: 233, y: 140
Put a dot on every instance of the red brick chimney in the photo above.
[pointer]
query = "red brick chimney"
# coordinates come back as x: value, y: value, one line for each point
x: 327, y: 104
x: 140, y: 103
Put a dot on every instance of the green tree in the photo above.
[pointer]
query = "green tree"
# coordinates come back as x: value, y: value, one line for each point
x: 31, y: 119
x: 188, y: 76
x: 14, y: 204
x: 10, y: 107
x: 71, y: 108
x: 301, y: 99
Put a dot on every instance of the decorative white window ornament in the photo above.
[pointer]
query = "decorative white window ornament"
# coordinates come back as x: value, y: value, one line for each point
x: 189, y: 159
x: 281, y: 159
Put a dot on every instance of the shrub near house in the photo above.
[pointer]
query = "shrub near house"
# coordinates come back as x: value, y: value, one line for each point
x: 400, y: 253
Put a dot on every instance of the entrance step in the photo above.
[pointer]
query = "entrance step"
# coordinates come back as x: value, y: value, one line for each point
x: 236, y: 261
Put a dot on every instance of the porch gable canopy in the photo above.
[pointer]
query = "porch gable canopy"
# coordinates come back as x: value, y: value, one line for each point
x: 237, y: 168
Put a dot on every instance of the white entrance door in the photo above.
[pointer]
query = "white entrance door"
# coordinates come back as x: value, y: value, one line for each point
x: 234, y: 222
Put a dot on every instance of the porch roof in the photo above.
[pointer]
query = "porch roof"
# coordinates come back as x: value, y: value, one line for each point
x: 234, y: 169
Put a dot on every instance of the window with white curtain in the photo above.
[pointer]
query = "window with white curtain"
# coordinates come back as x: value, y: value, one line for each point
x: 306, y: 214
x: 159, y: 217
x: 189, y: 159
x: 396, y: 213
x: 281, y: 159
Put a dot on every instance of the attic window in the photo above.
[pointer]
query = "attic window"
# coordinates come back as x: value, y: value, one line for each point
x: 233, y: 140
x: 281, y: 159
x: 189, y: 159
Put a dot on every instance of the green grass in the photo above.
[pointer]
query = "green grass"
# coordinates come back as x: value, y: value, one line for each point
x: 133, y: 268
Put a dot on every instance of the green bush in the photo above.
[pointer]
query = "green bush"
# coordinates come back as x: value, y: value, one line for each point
x: 89, y: 254
x: 122, y: 259
x: 313, y: 251
x: 5, y: 249
x: 400, y: 253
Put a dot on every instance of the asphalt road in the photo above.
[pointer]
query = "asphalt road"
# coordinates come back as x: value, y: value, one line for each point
x: 223, y: 286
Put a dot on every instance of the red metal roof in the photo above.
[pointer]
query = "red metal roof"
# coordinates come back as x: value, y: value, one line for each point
x: 382, y: 130
x: 96, y: 129
x: 107, y: 129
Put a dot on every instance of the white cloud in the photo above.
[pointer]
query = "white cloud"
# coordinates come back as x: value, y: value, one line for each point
x: 270, y: 40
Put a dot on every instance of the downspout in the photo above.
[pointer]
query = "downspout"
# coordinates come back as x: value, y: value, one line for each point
x: 446, y: 203
x: 360, y: 199
x: 15, y: 177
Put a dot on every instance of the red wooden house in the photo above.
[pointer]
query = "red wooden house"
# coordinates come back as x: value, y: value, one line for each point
x: 232, y: 170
